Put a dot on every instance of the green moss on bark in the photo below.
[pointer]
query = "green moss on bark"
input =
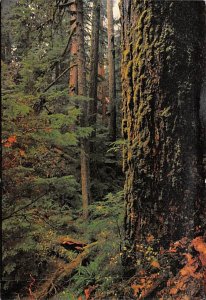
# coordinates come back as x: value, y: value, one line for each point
x: 161, y: 77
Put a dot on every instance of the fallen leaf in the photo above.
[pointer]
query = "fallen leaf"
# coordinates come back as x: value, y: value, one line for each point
x: 200, y: 246
x: 12, y: 139
x: 173, y: 291
x: 190, y: 258
x: 87, y: 293
x: 7, y: 145
x: 189, y: 270
x: 136, y: 288
x: 155, y: 264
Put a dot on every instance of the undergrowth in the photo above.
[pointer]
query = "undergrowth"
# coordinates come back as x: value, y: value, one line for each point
x: 104, y: 268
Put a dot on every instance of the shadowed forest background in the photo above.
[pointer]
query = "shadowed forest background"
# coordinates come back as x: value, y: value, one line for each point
x: 104, y: 152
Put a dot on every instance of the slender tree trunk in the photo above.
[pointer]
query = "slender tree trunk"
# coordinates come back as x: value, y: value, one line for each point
x: 101, y: 70
x: 94, y: 58
x: 81, y: 58
x: 111, y: 62
x: 101, y: 89
x: 161, y: 79
x: 73, y: 73
x: 102, y: 92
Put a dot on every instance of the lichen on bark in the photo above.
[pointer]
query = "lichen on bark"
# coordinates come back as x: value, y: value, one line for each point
x: 161, y: 78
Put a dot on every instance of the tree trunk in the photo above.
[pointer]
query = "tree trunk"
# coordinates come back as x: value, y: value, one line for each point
x: 111, y: 62
x: 6, y: 43
x: 94, y: 59
x: 81, y: 58
x: 161, y: 79
x: 73, y: 73
x: 102, y: 86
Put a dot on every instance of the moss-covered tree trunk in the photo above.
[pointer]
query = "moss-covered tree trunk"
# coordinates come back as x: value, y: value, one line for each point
x: 82, y: 91
x: 162, y: 69
x: 111, y: 63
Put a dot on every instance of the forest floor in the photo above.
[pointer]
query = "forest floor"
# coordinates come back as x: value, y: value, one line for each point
x: 95, y: 271
x: 177, y: 273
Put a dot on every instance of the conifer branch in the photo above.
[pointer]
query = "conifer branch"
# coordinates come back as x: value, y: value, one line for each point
x: 23, y: 207
x: 73, y: 28
x: 62, y: 74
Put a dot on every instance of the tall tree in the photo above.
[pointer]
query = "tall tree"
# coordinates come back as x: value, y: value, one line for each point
x: 111, y: 63
x: 73, y: 73
x: 102, y: 89
x: 94, y: 59
x: 161, y: 79
x: 82, y: 91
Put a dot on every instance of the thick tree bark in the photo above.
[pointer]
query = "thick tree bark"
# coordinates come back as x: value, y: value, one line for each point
x: 81, y: 58
x: 161, y: 79
x: 111, y: 63
x: 94, y: 59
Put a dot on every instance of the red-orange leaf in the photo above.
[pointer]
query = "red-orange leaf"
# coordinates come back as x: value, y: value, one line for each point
x: 200, y: 246
x: 12, y: 139
x: 155, y: 264
x: 7, y: 145
x: 136, y: 288
x: 173, y: 291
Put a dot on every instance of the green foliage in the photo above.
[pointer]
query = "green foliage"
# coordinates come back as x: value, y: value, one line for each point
x: 86, y: 276
x: 105, y: 226
x: 56, y: 138
x: 32, y: 168
x: 117, y: 145
x: 42, y: 197
x: 21, y: 251
x: 104, y: 267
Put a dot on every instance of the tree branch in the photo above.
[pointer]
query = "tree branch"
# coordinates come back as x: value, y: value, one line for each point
x: 73, y: 28
x: 66, y: 4
x: 23, y: 207
x: 62, y: 74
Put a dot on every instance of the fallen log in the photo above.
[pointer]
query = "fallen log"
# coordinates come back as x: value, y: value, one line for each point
x: 63, y: 272
x: 71, y: 244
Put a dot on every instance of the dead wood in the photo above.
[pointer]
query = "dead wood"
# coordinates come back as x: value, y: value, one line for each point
x: 62, y: 273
